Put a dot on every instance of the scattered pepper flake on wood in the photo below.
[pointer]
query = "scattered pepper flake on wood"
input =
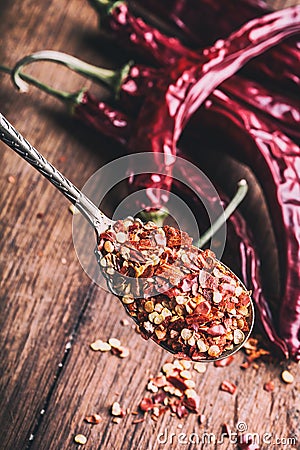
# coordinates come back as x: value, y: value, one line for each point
x: 11, y: 179
x: 136, y: 421
x: 269, y: 386
x: 224, y: 362
x: 93, y: 419
x: 80, y: 439
x: 228, y: 386
x: 200, y: 367
x: 117, y: 411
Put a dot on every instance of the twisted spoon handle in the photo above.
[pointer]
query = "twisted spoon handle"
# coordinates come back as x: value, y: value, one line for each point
x: 11, y: 137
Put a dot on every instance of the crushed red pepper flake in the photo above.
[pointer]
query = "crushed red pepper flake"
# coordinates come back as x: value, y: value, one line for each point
x: 182, y: 297
x: 269, y: 386
x: 224, y: 362
x: 11, y: 179
x: 93, y: 419
x: 136, y: 421
x: 228, y: 386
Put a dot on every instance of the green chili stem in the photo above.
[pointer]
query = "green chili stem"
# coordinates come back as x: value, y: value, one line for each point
x: 110, y: 78
x: 231, y: 207
x: 157, y: 216
x: 104, y: 7
x: 63, y: 96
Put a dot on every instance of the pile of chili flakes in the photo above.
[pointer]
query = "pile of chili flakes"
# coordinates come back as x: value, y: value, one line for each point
x: 181, y: 297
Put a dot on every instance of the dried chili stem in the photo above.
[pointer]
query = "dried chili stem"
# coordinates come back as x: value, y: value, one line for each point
x: 231, y: 207
x: 65, y: 97
x: 110, y: 78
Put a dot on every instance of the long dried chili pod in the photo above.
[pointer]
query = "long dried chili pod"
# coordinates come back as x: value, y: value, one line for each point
x: 203, y: 22
x: 85, y: 107
x: 279, y: 66
x: 121, y: 24
x: 164, y: 52
x: 165, y: 114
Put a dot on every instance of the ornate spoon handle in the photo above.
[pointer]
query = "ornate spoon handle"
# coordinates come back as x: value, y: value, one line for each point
x: 10, y: 136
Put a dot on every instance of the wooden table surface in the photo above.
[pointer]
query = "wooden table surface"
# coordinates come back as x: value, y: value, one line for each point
x: 50, y: 309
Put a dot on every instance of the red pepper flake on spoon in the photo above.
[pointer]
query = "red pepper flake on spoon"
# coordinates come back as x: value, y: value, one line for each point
x: 181, y: 297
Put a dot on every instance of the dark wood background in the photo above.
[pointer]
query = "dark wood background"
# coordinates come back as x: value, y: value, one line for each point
x: 50, y: 309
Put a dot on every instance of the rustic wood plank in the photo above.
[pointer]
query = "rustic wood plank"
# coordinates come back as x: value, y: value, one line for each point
x: 51, y: 311
x: 41, y: 298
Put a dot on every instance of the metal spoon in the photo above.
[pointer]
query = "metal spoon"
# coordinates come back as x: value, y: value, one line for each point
x: 99, y: 221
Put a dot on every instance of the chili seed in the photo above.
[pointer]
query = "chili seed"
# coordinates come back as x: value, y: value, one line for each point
x: 121, y: 237
x: 80, y: 439
x: 103, y: 262
x: 117, y: 420
x: 148, y: 327
x: 116, y: 409
x: 200, y: 367
x: 190, y: 384
x: 158, y: 319
x: 149, y: 306
x: 127, y: 299
x: 160, y: 334
x: 123, y: 352
x: 214, y: 351
x: 185, y: 364
x: 166, y: 313
x: 238, y: 336
x: 191, y: 341
x: 287, y: 377
x: 152, y: 316
x: 158, y: 307
x: 100, y: 345
x: 238, y: 291
x: 202, y: 346
x: 186, y: 334
x: 115, y: 343
x: 168, y: 367
x: 180, y: 299
x: 185, y: 374
x: 217, y: 297
x: 109, y: 247
x: 191, y: 393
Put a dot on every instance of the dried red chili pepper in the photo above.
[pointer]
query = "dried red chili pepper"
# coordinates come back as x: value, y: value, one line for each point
x: 85, y: 107
x: 165, y: 114
x: 278, y: 66
x: 133, y: 33
x: 164, y: 51
x: 203, y: 22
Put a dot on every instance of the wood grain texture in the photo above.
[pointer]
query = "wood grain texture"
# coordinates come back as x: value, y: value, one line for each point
x: 51, y: 311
